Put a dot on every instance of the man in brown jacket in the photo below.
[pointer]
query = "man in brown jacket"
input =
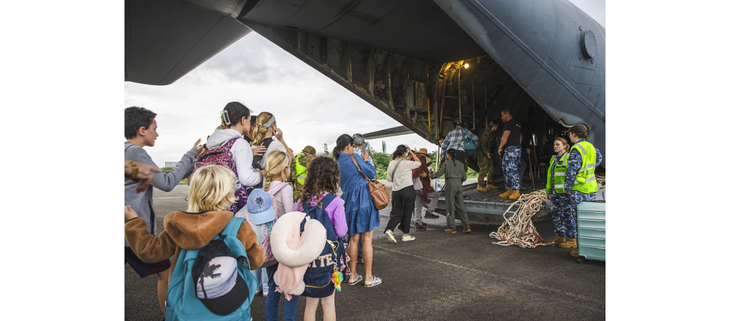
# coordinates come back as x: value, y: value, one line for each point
x: 423, y: 188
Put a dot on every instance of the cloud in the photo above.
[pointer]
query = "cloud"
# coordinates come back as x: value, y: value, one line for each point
x: 310, y: 108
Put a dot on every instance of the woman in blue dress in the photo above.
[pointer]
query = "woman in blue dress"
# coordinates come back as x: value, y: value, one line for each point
x: 362, y: 216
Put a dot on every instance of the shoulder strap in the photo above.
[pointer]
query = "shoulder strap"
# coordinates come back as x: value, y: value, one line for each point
x: 230, y: 142
x: 327, y: 200
x: 233, y: 226
x: 277, y: 188
x: 396, y: 166
x: 358, y: 167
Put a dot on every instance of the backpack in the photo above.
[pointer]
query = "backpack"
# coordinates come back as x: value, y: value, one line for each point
x: 470, y: 147
x: 318, y: 281
x: 257, y: 160
x: 224, y: 265
x: 223, y: 156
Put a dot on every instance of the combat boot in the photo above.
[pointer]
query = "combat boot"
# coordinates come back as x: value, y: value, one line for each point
x: 515, y: 195
x: 557, y: 240
x: 574, y: 253
x: 507, y: 193
x: 481, y: 188
x: 569, y: 244
x: 490, y: 186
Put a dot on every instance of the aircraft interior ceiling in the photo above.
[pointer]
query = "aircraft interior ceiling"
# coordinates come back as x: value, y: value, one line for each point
x: 423, y: 63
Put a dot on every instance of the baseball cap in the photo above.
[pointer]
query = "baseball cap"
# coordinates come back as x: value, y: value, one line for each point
x: 221, y: 290
x: 259, y: 207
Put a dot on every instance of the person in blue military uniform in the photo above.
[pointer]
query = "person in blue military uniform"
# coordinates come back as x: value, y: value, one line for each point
x: 511, y: 151
x: 580, y: 177
x: 561, y: 211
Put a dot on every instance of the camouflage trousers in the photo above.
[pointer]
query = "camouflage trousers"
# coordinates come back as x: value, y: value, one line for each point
x: 578, y: 197
x: 510, y: 167
x: 562, y: 213
x: 486, y: 169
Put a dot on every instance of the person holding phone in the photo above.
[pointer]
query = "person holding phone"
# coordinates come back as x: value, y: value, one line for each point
x: 361, y: 147
x: 400, y: 172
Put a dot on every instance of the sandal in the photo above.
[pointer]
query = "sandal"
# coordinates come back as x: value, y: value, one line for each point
x: 376, y: 281
x: 357, y: 280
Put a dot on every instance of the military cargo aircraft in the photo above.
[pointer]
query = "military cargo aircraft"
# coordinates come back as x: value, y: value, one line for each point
x: 425, y: 63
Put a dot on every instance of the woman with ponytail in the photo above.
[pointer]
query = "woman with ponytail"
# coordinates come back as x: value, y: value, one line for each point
x: 263, y: 135
x: 362, y: 216
x: 404, y: 196
x: 235, y: 122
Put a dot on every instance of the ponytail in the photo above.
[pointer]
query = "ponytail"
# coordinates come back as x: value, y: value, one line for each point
x: 260, y: 131
x: 343, y: 141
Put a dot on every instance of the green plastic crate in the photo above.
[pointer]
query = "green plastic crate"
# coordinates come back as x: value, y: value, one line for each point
x: 592, y: 230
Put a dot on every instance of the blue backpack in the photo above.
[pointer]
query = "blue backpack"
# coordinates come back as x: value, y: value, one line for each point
x: 318, y: 277
x: 192, y: 267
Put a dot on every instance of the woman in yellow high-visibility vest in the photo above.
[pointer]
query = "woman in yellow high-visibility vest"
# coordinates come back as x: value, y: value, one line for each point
x: 561, y: 211
x: 580, y: 177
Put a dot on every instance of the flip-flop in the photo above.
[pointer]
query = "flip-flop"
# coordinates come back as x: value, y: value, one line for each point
x: 376, y: 281
x: 357, y: 280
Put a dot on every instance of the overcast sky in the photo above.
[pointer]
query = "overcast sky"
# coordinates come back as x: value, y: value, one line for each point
x: 310, y: 108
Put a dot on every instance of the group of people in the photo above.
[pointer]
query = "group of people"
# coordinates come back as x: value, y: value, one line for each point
x: 246, y: 158
x: 246, y: 170
x: 570, y: 179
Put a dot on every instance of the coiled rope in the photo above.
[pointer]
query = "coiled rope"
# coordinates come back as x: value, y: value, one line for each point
x: 518, y: 228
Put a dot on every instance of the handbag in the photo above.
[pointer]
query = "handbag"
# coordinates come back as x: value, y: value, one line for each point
x: 378, y: 191
x: 470, y: 147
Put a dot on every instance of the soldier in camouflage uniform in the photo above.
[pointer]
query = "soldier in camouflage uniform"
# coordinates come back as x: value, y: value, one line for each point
x: 299, y: 169
x: 487, y: 141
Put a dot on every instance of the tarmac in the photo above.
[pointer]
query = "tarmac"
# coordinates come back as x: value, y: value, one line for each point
x: 438, y: 276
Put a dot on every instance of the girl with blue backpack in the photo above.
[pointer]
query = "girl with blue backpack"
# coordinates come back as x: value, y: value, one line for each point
x: 212, y: 252
x: 319, y: 201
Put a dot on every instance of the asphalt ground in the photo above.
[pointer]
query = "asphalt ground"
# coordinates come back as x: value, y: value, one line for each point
x: 436, y: 277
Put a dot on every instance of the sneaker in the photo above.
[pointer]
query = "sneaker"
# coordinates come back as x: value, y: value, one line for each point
x: 430, y: 216
x: 420, y: 227
x: 391, y: 237
x: 408, y: 237
x: 450, y: 231
x: 467, y: 230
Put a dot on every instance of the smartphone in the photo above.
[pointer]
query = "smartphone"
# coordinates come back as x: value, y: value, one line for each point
x: 364, y: 146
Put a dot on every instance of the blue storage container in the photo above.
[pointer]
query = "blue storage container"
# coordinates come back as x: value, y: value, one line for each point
x: 592, y: 230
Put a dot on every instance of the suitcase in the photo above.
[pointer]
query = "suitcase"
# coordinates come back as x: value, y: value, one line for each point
x: 591, y: 231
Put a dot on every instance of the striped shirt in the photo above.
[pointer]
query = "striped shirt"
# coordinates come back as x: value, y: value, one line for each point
x: 455, y: 139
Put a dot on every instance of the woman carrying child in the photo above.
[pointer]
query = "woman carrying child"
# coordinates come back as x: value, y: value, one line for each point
x: 322, y: 180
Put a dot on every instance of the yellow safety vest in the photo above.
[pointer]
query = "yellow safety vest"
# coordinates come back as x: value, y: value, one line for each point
x: 300, y: 171
x: 586, y: 182
x: 560, y: 169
